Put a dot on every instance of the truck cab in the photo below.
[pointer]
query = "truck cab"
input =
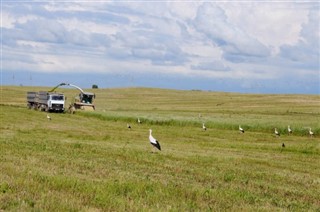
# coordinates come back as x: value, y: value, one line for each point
x: 56, y: 102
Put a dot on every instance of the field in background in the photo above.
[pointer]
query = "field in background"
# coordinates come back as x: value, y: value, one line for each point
x: 91, y: 161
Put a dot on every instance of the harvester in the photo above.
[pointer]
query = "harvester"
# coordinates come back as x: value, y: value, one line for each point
x: 84, y: 101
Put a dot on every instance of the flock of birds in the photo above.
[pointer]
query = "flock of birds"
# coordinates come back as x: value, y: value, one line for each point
x: 155, y: 143
x: 277, y: 133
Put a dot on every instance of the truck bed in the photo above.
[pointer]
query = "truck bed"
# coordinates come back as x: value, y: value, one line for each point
x: 32, y: 96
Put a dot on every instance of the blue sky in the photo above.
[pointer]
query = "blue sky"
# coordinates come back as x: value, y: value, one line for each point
x: 238, y: 46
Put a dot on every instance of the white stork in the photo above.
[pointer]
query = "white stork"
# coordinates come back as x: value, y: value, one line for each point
x: 289, y: 130
x: 48, y: 117
x: 128, y: 126
x: 276, y: 132
x: 310, y: 132
x: 139, y: 121
x: 240, y: 129
x: 154, y: 141
x: 204, y: 127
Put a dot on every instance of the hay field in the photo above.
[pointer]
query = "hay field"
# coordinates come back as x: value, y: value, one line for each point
x: 90, y: 161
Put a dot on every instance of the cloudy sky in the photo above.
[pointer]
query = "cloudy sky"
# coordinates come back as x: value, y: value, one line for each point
x: 241, y: 46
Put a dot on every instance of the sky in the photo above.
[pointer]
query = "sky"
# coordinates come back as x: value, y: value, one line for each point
x: 231, y: 46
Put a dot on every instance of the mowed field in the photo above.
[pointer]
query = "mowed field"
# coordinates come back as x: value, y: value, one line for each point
x: 91, y: 161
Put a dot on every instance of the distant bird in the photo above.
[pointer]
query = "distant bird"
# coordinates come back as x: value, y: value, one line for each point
x: 310, y: 132
x: 199, y: 115
x: 48, y: 117
x: 276, y: 132
x: 289, y: 130
x: 240, y: 129
x: 128, y: 126
x: 154, y: 141
x: 139, y: 122
x: 283, y: 145
x: 204, y: 127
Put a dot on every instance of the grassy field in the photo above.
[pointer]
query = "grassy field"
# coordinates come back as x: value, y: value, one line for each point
x: 90, y: 161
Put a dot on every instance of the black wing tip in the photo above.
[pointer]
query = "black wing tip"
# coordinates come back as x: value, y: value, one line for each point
x: 157, y: 145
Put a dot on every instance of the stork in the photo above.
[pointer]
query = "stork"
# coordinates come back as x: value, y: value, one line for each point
x: 128, y: 126
x: 154, y: 141
x: 289, y: 130
x: 310, y: 132
x: 204, y: 127
x: 240, y: 129
x: 276, y: 132
x: 48, y: 117
x: 139, y: 122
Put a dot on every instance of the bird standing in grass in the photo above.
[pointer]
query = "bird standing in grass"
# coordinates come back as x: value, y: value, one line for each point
x: 289, y: 130
x: 139, y: 121
x: 128, y: 126
x: 241, y: 129
x: 204, y: 127
x: 48, y: 117
x: 154, y: 141
x: 310, y: 132
x: 283, y: 145
x: 276, y: 132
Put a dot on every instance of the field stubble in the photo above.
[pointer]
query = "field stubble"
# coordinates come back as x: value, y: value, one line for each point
x: 91, y: 161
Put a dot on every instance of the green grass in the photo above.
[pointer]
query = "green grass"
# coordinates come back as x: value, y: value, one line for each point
x: 91, y: 161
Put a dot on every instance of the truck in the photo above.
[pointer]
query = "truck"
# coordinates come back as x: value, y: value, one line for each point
x: 46, y: 101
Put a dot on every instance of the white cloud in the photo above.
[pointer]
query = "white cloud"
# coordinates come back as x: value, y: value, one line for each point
x: 67, y: 7
x: 232, y: 40
x: 184, y: 10
x: 213, y: 22
x: 9, y: 20
x: 272, y: 24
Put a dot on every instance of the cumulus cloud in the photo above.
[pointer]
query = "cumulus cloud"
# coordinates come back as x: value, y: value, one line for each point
x: 236, y: 43
x: 305, y: 53
x: 231, y: 40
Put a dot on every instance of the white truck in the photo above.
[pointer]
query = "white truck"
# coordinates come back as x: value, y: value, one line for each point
x: 46, y: 101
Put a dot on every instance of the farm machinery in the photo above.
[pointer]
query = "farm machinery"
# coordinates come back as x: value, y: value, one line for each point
x: 53, y: 101
x: 84, y: 101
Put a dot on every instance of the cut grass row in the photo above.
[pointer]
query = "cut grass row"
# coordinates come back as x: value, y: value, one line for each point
x: 225, y: 124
